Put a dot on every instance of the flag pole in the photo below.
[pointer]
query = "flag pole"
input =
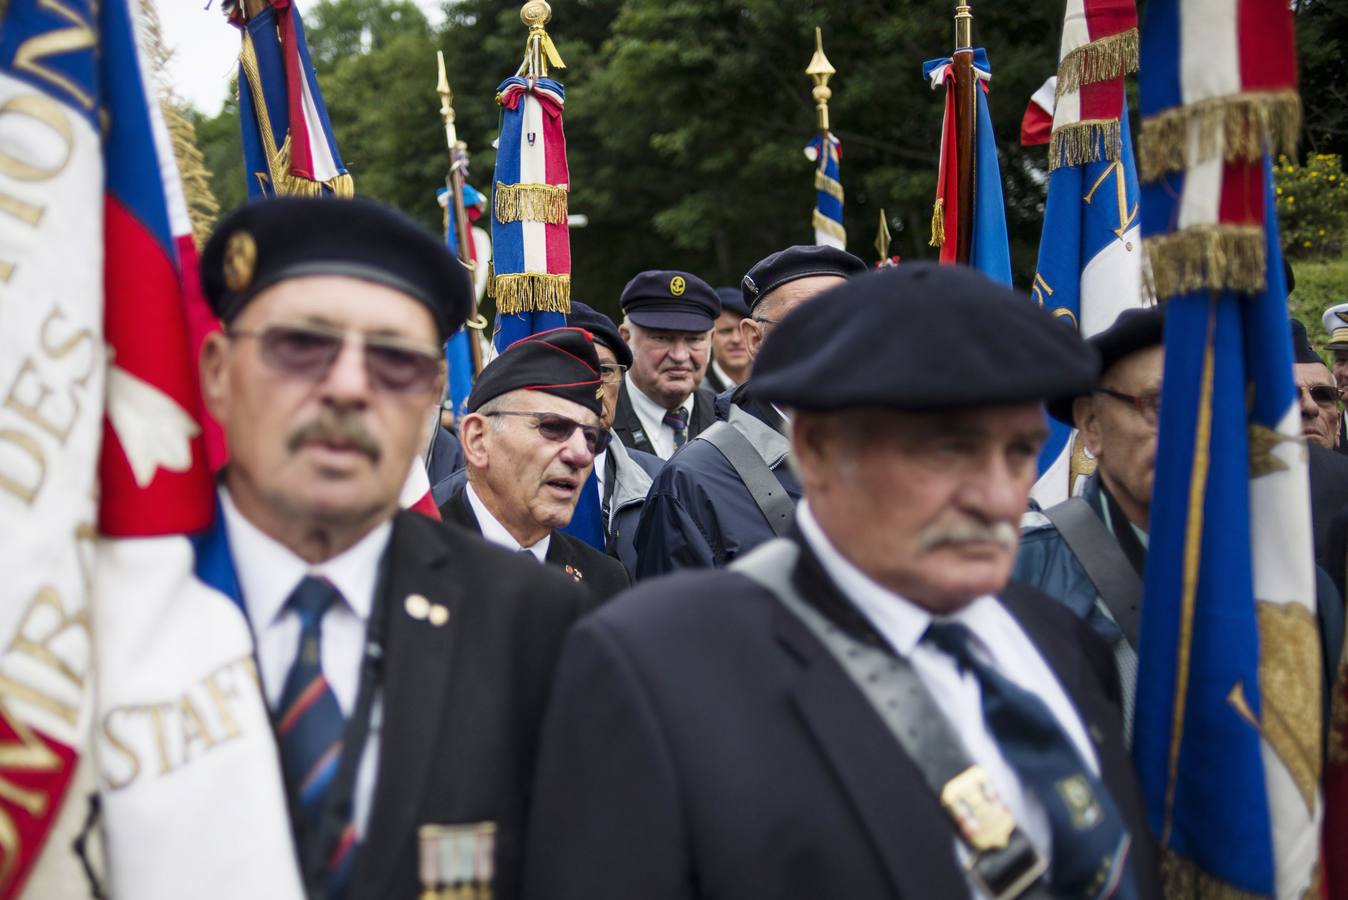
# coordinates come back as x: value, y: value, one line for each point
x: 458, y: 162
x: 966, y: 115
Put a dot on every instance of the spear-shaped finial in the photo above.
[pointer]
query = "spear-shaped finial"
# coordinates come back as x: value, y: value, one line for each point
x: 882, y: 238
x: 446, y: 102
x: 820, y: 71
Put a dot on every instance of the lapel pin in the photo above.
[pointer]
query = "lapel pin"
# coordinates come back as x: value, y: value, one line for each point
x: 1096, y: 734
x: 417, y: 606
x: 438, y: 614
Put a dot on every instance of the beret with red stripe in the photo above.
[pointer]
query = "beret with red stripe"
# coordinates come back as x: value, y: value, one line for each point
x: 560, y: 361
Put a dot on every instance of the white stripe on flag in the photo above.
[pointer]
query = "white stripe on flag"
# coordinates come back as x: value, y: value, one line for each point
x: 826, y: 239
x: 533, y: 170
x: 1201, y: 199
x: 1074, y: 31
x: 325, y: 167
x: 1111, y: 283
x: 1068, y: 110
x: 1209, y: 52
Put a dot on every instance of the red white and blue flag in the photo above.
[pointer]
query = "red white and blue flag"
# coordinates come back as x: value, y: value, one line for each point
x: 825, y: 151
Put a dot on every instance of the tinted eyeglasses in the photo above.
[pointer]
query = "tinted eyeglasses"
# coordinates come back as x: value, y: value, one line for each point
x: 1323, y: 394
x: 611, y: 373
x: 308, y: 352
x: 1147, y: 405
x: 560, y: 428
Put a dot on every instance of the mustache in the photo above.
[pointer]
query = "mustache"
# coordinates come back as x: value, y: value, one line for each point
x: 332, y: 427
x: 1004, y: 534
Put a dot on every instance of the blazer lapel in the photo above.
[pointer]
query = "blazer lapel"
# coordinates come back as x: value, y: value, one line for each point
x: 420, y: 638
x: 626, y: 425
x: 457, y: 510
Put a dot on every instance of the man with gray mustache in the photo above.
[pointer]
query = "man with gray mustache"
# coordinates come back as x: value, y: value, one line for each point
x: 866, y: 707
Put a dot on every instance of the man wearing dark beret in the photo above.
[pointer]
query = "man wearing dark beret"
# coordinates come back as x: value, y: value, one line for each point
x: 866, y: 707
x: 326, y: 378
x: 732, y: 488
x: 530, y: 439
x: 1321, y: 408
x: 667, y: 321
x: 730, y: 359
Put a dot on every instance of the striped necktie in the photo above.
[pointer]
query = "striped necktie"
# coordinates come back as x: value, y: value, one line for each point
x: 309, y: 729
x: 677, y: 419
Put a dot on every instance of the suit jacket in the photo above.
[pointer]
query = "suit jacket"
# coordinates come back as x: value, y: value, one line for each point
x: 627, y: 425
x: 462, y: 700
x: 701, y: 743
x: 601, y: 575
x: 1328, y: 473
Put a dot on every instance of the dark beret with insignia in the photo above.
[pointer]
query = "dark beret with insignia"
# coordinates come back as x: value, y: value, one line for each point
x: 1133, y: 330
x: 1302, y: 352
x: 601, y: 328
x: 670, y: 301
x: 267, y: 241
x: 800, y: 261
x: 561, y: 362
x: 921, y: 337
x: 732, y: 299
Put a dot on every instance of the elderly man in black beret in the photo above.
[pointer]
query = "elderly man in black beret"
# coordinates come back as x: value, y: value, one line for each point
x: 1321, y: 408
x: 530, y: 439
x: 326, y: 378
x: 866, y: 707
x: 732, y: 488
x: 667, y: 321
x: 730, y: 360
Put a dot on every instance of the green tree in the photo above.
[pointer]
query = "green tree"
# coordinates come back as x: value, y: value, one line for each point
x: 1322, y: 42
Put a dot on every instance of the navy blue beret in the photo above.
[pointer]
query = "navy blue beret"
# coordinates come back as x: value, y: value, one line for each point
x: 1302, y: 352
x: 560, y: 361
x: 670, y: 300
x: 921, y: 336
x: 1133, y: 330
x: 603, y: 330
x: 265, y: 242
x: 800, y: 261
x: 732, y: 299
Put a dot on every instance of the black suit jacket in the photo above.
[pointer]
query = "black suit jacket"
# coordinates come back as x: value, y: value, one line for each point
x: 701, y: 743
x: 600, y: 574
x: 1328, y: 475
x: 462, y: 701
x: 627, y: 425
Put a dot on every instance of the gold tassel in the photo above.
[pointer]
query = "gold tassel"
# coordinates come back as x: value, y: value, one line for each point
x: 1084, y: 142
x: 491, y: 278
x: 828, y: 226
x: 532, y: 292
x: 830, y: 186
x: 1109, y: 57
x: 531, y: 203
x: 1207, y: 257
x: 937, y: 224
x: 1235, y: 128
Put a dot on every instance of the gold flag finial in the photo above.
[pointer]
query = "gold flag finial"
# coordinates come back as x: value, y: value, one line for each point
x: 540, y: 52
x: 964, y: 26
x: 820, y: 71
x: 446, y: 102
x: 882, y: 238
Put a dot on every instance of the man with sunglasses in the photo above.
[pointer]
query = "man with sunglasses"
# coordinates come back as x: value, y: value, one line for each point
x: 1318, y: 395
x: 530, y: 438
x: 732, y: 488
x: 365, y: 619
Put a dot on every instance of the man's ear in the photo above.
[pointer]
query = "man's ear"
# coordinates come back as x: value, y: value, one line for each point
x: 751, y: 333
x: 473, y: 436
x: 1087, y: 419
x: 625, y: 333
x: 213, y: 366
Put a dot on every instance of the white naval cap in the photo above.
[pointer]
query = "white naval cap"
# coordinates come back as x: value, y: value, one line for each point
x: 1335, y: 322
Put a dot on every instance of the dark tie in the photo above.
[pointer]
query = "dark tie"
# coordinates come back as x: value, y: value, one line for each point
x: 678, y: 420
x: 1090, y: 843
x: 309, y: 728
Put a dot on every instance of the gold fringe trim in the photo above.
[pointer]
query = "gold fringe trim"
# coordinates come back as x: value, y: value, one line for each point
x: 937, y: 223
x: 1180, y: 877
x: 1109, y: 57
x: 532, y: 292
x: 828, y: 226
x: 491, y: 278
x: 1085, y: 142
x: 1235, y: 128
x: 1207, y: 257
x: 830, y: 186
x: 531, y: 203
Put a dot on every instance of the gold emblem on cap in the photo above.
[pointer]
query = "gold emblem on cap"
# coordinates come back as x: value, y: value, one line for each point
x: 677, y: 285
x: 240, y: 261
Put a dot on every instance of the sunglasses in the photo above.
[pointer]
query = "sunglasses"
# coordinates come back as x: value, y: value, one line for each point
x: 308, y: 352
x: 1322, y: 394
x: 560, y: 428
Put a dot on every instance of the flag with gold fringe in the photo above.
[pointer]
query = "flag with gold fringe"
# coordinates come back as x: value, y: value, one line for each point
x: 288, y: 145
x: 1227, y: 740
x: 825, y: 151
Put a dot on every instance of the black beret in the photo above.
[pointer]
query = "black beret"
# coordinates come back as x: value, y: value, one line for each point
x: 267, y: 241
x: 800, y: 261
x: 733, y: 299
x: 1302, y: 352
x: 560, y: 361
x: 671, y: 301
x: 601, y: 328
x: 1133, y: 330
x: 921, y: 336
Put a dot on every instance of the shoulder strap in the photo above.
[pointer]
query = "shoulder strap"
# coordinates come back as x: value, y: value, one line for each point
x: 772, y: 499
x: 1099, y: 553
x: 1003, y: 858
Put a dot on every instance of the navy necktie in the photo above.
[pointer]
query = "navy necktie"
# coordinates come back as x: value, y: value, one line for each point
x: 309, y: 728
x: 1091, y: 845
x: 677, y: 419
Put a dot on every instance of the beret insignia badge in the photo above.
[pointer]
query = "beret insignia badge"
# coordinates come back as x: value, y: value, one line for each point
x: 748, y: 285
x: 677, y: 285
x: 240, y: 261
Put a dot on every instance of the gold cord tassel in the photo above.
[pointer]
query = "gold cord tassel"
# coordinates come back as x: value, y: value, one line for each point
x: 525, y: 292
x: 1208, y: 257
x: 937, y: 224
x: 1109, y: 57
x: 1235, y: 128
x: 530, y: 203
x: 1085, y: 142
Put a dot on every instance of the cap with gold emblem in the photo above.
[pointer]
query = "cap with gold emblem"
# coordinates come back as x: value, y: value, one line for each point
x: 668, y: 300
x: 1335, y: 321
x: 560, y: 361
x: 266, y: 242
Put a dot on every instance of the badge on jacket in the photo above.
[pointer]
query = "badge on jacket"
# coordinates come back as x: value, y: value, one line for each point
x: 457, y: 861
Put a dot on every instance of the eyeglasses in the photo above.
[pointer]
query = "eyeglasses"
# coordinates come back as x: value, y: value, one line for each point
x: 308, y: 351
x: 766, y: 321
x: 560, y: 428
x: 1323, y: 394
x: 611, y: 373
x: 1147, y: 405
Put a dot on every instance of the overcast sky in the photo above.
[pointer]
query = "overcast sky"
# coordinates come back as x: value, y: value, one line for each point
x: 205, y: 49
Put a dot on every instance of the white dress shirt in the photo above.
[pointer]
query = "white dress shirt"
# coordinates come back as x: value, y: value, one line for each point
x: 721, y: 374
x: 495, y: 532
x: 999, y: 640
x: 652, y: 416
x: 268, y: 573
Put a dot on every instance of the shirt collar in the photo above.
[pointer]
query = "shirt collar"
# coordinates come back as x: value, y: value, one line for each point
x: 649, y: 407
x: 495, y: 532
x: 269, y: 571
x: 721, y: 373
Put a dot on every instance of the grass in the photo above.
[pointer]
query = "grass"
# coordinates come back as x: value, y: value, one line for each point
x: 1319, y: 285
